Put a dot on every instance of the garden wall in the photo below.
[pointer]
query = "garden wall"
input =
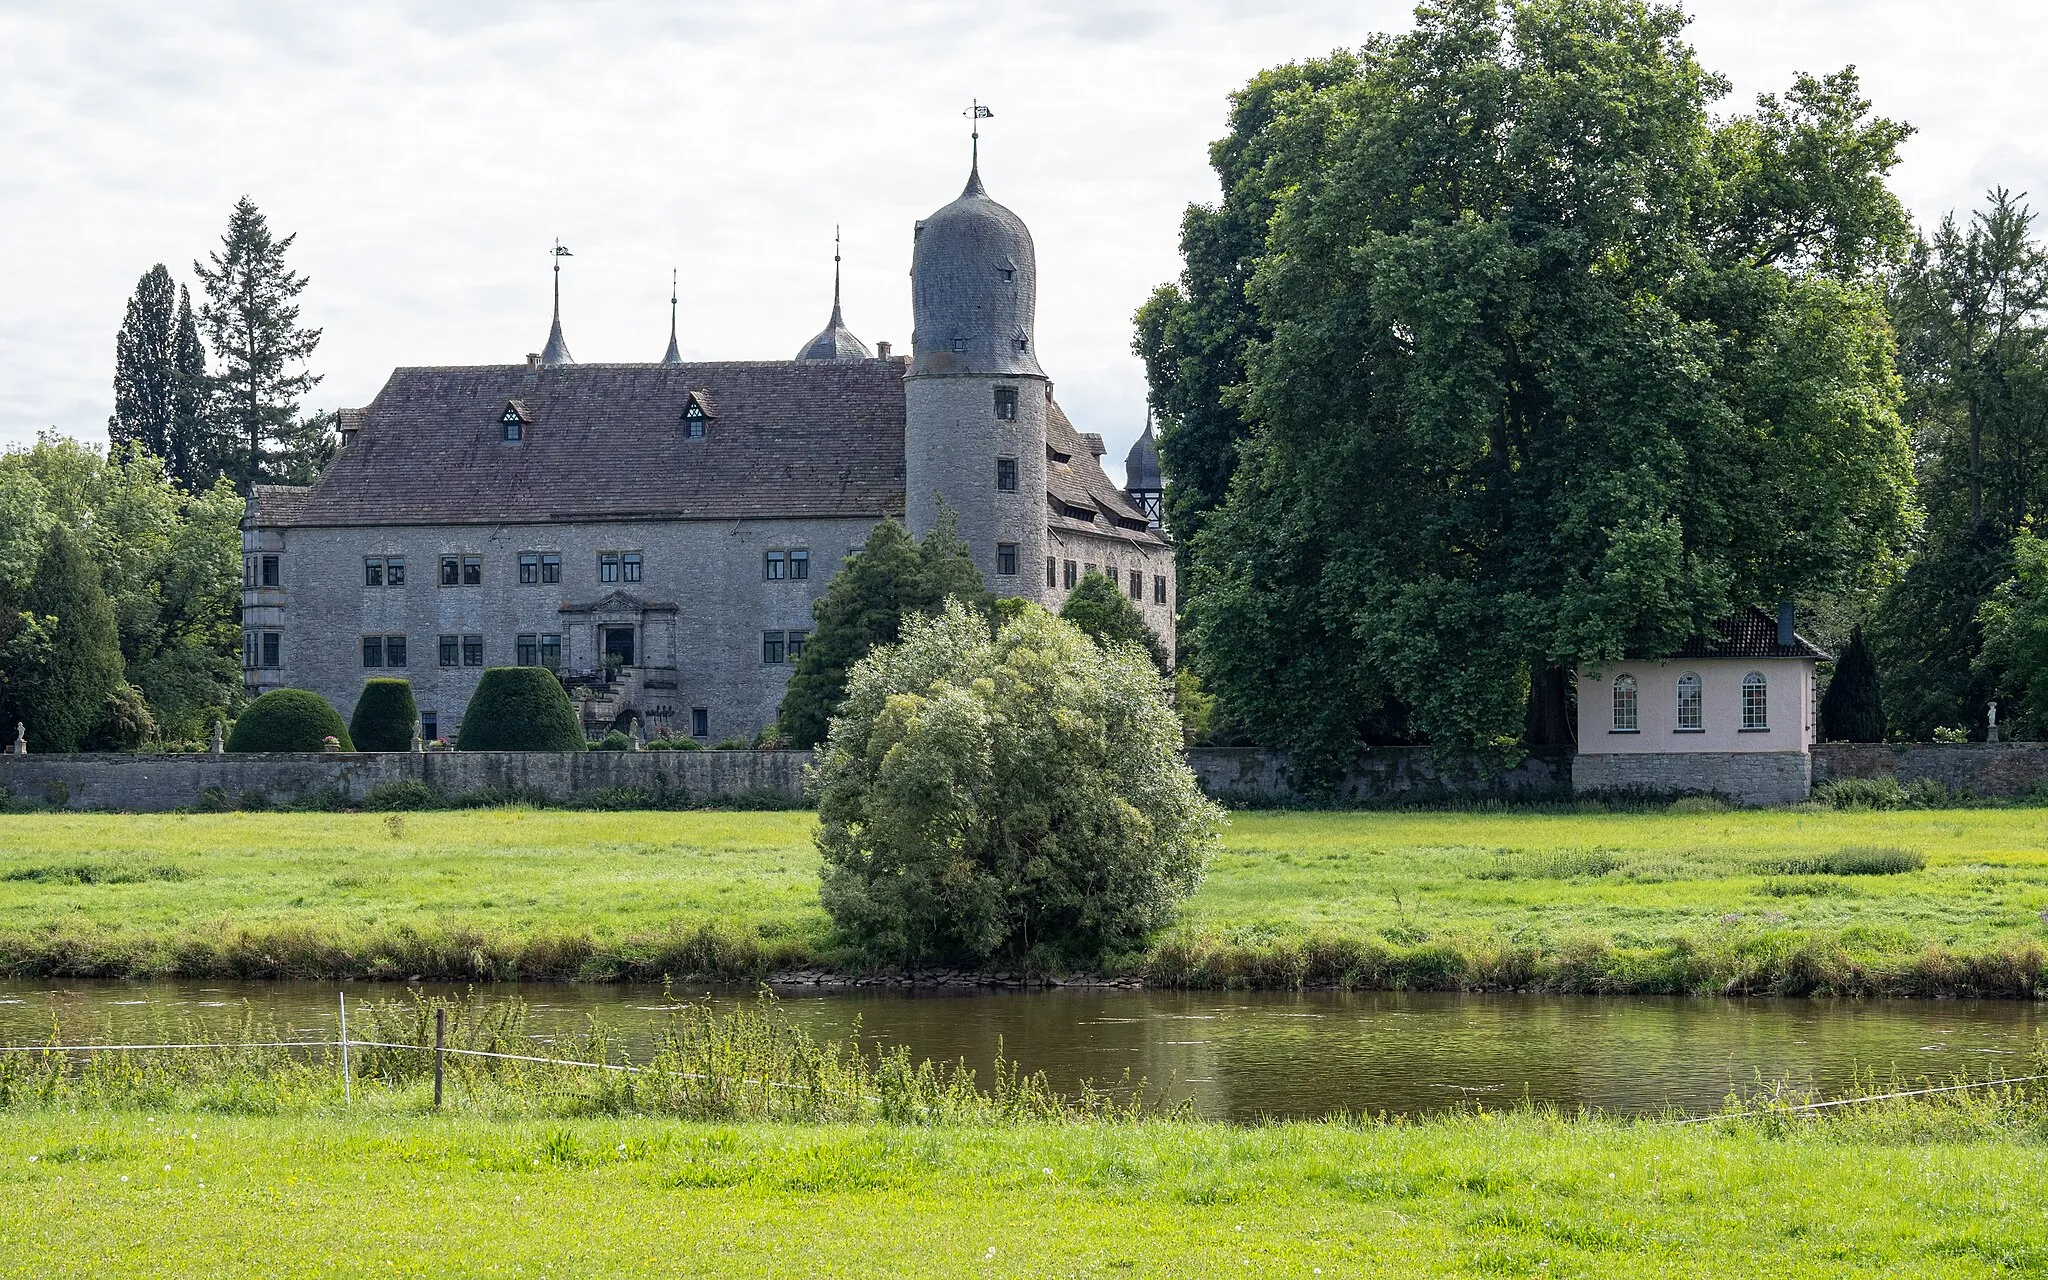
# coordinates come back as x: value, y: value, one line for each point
x: 1387, y: 776
x: 1988, y: 769
x: 153, y: 783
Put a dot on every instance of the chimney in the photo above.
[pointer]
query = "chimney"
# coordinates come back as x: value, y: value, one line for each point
x: 533, y: 364
x: 881, y: 351
x: 1785, y: 624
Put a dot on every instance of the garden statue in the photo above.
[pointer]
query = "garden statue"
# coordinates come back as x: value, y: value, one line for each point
x: 418, y: 744
x: 639, y: 743
x: 20, y: 745
x: 1991, y: 729
x: 219, y: 745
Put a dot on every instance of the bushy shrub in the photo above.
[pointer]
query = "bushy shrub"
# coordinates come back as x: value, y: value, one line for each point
x: 520, y: 709
x: 288, y: 720
x: 1887, y: 793
x: 385, y: 716
x: 125, y: 722
x: 730, y: 744
x: 392, y: 797
x: 1018, y: 797
x: 613, y: 741
x: 1109, y: 618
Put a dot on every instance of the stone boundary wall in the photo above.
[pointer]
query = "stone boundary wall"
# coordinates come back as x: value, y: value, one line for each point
x: 1252, y: 776
x: 1990, y: 769
x: 155, y: 783
x: 1746, y: 777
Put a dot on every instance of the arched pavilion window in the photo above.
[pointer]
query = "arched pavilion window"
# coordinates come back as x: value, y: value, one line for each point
x: 1625, y: 704
x: 1691, y: 705
x: 1755, y: 701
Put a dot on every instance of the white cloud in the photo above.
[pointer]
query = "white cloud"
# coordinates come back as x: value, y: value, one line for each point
x: 426, y: 155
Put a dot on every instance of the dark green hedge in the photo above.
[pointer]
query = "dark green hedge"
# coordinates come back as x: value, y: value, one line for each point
x: 288, y: 720
x: 520, y: 709
x: 384, y: 716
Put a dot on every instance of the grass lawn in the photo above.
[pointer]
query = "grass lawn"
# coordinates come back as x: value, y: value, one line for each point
x: 1629, y: 901
x: 180, y: 1192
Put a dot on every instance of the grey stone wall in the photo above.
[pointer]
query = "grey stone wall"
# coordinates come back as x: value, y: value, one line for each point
x: 952, y: 440
x: 157, y: 783
x: 711, y: 571
x: 1746, y: 777
x: 1988, y: 769
x: 1388, y: 775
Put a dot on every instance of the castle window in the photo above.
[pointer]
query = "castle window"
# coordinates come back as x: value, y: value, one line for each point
x: 472, y: 651
x: 799, y: 565
x: 451, y: 571
x: 551, y: 652
x: 270, y: 571
x: 249, y: 643
x: 1624, y: 705
x: 1158, y: 588
x: 248, y: 571
x: 775, y: 566
x: 693, y: 421
x: 629, y: 566
x: 1111, y: 573
x: 529, y: 568
x: 373, y: 651
x: 373, y: 573
x: 430, y: 726
x: 1755, y: 703
x: 451, y: 651
x: 472, y: 571
x: 771, y: 647
x: 1006, y: 471
x: 1137, y: 585
x: 959, y: 344
x: 550, y: 568
x: 394, y: 571
x: 513, y: 421
x: 1069, y: 574
x: 1006, y: 558
x: 1691, y: 705
x: 796, y: 644
x: 1052, y: 577
x: 607, y: 566
x: 271, y: 642
x: 1006, y: 404
x: 394, y: 651
x: 1021, y: 343
x: 700, y: 722
x: 1006, y: 274
x: 526, y: 645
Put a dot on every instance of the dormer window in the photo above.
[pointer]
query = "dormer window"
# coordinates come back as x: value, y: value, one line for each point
x: 1021, y: 343
x: 960, y: 344
x: 1007, y: 275
x: 513, y: 421
x: 693, y: 422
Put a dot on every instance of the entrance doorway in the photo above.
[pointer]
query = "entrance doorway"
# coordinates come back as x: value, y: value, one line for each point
x: 618, y: 646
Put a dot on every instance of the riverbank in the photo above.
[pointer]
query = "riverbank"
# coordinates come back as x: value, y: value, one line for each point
x: 1933, y: 903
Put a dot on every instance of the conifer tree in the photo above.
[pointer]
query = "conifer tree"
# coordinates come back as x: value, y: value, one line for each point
x: 146, y: 367
x: 64, y: 696
x: 251, y: 318
x: 891, y: 578
x: 193, y: 457
x: 1852, y: 710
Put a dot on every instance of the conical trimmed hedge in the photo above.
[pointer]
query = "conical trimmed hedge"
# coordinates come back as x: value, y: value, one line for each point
x: 288, y: 720
x: 520, y: 709
x: 1852, y: 710
x: 385, y: 716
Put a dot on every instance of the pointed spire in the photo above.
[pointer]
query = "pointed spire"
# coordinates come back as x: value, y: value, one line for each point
x: 976, y: 113
x: 557, y: 351
x: 837, y: 323
x: 835, y: 341
x: 674, y: 354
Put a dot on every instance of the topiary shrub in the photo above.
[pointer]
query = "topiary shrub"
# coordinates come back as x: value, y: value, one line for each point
x: 520, y: 709
x: 613, y: 741
x: 1020, y: 797
x: 385, y: 716
x: 288, y: 720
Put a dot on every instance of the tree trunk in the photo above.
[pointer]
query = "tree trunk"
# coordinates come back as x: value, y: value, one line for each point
x: 1549, y: 719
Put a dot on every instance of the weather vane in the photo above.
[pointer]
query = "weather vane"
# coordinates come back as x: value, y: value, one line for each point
x: 978, y: 113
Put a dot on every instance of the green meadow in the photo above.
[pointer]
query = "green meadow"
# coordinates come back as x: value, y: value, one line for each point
x: 1910, y: 902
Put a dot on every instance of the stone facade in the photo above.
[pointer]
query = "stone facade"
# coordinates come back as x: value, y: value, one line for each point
x: 1745, y: 777
x: 1253, y: 776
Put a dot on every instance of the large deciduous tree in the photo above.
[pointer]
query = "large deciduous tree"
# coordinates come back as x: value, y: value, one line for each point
x: 251, y: 319
x: 1551, y: 367
x: 62, y: 693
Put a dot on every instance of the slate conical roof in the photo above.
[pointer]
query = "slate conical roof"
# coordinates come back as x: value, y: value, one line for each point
x: 1141, y: 464
x: 973, y: 290
x: 674, y: 354
x: 557, y: 351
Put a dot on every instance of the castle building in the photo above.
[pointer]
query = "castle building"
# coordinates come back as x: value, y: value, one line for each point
x: 658, y: 533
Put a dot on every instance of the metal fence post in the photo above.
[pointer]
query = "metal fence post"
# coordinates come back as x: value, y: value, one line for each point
x: 440, y: 1049
x: 348, y: 1096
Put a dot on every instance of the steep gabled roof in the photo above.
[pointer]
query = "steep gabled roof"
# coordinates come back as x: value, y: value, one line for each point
x: 789, y: 440
x: 1080, y: 482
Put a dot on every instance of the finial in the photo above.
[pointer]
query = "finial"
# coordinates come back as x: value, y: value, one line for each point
x: 835, y: 274
x: 674, y: 354
x: 557, y: 351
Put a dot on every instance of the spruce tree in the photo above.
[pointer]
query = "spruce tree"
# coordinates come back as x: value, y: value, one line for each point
x: 1109, y: 617
x: 890, y: 579
x: 146, y: 367
x: 65, y: 695
x: 193, y: 457
x: 251, y: 318
x: 1852, y: 710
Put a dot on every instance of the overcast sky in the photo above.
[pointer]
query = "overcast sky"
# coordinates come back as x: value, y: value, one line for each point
x: 426, y: 154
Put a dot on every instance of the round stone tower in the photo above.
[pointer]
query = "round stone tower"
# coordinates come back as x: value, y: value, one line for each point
x: 975, y: 398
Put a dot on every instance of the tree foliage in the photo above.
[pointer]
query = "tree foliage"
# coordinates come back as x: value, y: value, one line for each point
x: 1554, y: 367
x: 251, y: 319
x: 161, y: 394
x: 1107, y: 616
x: 520, y: 709
x: 2014, y: 657
x: 1852, y: 710
x: 288, y: 720
x: 64, y: 679
x: 890, y: 579
x: 1018, y: 797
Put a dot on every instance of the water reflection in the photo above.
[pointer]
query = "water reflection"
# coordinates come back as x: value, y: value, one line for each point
x: 1238, y: 1055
